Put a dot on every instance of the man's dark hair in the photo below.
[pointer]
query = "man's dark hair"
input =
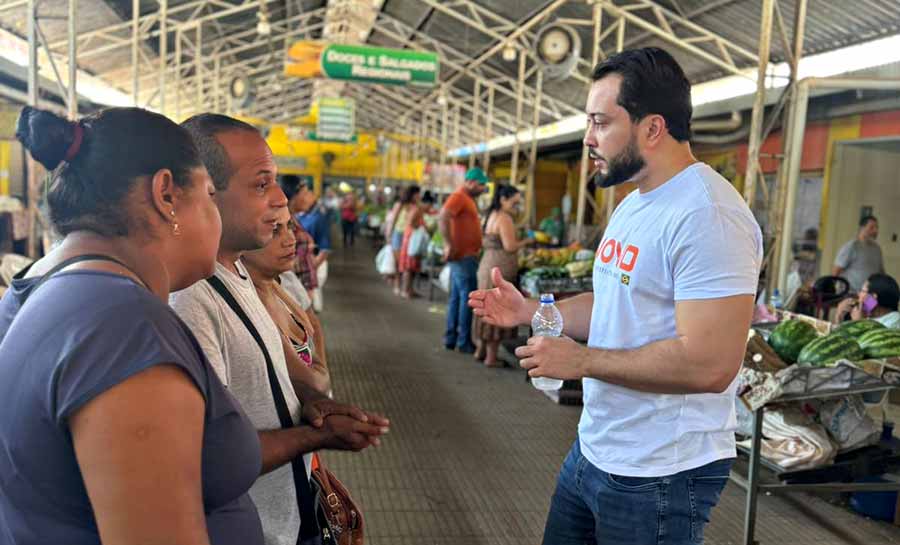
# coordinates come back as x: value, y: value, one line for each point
x: 410, y: 193
x: 652, y: 83
x: 291, y: 184
x: 885, y: 287
x: 863, y: 221
x: 204, y: 128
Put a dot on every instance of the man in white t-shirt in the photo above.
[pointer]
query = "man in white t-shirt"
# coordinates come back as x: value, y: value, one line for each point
x: 674, y: 282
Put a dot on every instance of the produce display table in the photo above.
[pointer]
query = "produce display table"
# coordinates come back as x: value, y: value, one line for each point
x: 559, y: 287
x: 807, y: 384
x: 561, y: 271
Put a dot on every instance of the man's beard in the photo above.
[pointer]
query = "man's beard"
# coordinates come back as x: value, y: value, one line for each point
x: 622, y: 168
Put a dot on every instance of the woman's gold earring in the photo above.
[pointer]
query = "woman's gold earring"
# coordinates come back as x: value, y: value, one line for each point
x: 175, y: 229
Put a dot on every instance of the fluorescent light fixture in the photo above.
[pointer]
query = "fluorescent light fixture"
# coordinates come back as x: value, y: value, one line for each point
x: 15, y: 50
x: 100, y: 92
x: 840, y: 61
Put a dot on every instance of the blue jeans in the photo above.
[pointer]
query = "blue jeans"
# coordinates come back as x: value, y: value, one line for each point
x: 463, y: 279
x: 592, y: 506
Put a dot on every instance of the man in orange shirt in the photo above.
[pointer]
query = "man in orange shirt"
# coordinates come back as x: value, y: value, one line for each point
x: 460, y: 226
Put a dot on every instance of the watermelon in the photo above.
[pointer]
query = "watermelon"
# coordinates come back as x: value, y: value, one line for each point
x: 881, y: 343
x: 789, y: 337
x: 829, y: 349
x: 858, y: 328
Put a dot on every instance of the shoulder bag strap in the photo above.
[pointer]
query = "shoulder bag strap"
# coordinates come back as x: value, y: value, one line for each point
x: 67, y: 263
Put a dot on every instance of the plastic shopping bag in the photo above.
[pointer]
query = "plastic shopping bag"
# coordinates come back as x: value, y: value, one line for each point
x: 793, y: 440
x: 385, y: 263
x: 418, y: 242
x: 444, y: 278
x: 848, y: 424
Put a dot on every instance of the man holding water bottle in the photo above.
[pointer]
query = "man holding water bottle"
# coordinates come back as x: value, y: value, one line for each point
x: 666, y: 325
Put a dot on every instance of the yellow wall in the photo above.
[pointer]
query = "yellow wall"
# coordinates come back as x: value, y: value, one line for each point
x: 860, y: 176
x: 5, y: 166
x: 550, y: 184
x: 357, y: 160
x: 847, y: 128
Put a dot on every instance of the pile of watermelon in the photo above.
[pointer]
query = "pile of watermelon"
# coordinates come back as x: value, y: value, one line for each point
x: 790, y: 337
x: 798, y: 342
x: 881, y: 343
x: 829, y: 349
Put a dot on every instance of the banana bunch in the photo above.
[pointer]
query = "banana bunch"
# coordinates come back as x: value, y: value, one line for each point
x: 578, y: 269
x: 547, y: 258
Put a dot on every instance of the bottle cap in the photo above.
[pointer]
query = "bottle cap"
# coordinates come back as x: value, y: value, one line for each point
x: 547, y: 298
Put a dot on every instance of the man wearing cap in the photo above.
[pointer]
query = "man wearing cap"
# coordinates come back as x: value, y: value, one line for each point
x: 460, y: 226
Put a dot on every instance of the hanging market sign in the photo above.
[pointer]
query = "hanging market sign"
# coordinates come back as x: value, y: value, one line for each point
x: 362, y: 63
x: 286, y: 162
x: 336, y: 119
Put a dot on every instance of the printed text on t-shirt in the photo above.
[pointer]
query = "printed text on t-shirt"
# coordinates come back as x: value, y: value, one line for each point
x: 624, y: 256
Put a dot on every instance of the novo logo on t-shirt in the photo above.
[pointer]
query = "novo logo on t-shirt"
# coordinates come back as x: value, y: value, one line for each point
x: 624, y: 257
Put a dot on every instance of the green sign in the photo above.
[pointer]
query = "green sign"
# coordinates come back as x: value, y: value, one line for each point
x: 336, y: 119
x: 362, y: 63
x: 292, y: 163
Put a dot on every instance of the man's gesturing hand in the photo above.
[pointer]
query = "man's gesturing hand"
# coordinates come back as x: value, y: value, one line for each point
x: 503, y: 306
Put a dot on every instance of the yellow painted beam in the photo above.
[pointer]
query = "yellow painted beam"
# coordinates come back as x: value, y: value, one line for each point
x: 845, y: 128
x: 5, y: 149
x: 358, y: 159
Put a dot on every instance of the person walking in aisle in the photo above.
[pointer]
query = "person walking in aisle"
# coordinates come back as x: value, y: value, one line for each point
x: 674, y: 283
x: 305, y: 264
x: 410, y: 217
x: 349, y: 217
x: 460, y: 227
x: 311, y: 214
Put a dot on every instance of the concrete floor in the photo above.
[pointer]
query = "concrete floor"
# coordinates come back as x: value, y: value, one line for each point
x: 473, y: 452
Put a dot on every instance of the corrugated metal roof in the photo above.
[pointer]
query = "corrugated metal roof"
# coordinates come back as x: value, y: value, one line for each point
x: 829, y: 25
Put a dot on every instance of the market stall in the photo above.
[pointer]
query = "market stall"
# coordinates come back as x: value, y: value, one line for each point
x: 801, y: 411
x: 561, y: 271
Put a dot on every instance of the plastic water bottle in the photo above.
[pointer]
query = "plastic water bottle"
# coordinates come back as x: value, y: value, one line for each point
x: 547, y: 322
x: 775, y: 300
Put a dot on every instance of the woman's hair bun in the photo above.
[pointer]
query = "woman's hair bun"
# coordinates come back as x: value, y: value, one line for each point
x: 46, y: 135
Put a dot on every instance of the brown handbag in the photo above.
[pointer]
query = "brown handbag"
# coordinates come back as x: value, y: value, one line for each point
x: 340, y: 519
